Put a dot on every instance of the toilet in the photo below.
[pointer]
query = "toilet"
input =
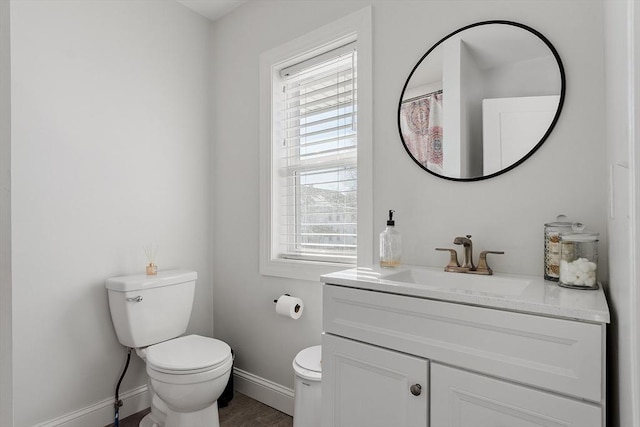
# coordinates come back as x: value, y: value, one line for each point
x: 186, y: 374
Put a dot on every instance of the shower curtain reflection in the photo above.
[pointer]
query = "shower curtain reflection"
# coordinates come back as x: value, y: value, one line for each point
x: 421, y: 124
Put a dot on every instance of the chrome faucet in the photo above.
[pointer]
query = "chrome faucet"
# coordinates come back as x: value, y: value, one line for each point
x: 467, y: 266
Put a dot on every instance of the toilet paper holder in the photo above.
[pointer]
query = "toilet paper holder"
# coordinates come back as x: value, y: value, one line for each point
x: 296, y: 308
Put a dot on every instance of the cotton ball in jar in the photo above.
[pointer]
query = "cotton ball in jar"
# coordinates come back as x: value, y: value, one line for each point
x: 580, y: 272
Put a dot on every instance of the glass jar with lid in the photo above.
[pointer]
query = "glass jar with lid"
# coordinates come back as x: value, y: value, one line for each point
x: 552, y: 232
x: 579, y: 258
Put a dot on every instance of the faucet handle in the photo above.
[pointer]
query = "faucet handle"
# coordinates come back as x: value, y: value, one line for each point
x: 453, y: 260
x: 483, y: 267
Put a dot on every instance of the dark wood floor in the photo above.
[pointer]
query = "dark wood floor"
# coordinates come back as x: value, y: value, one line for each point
x: 242, y: 411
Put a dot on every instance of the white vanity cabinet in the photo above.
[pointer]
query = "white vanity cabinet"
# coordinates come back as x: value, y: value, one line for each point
x: 400, y: 360
x: 372, y: 386
x: 461, y: 398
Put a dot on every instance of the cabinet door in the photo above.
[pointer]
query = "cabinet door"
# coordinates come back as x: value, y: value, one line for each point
x: 463, y: 399
x: 368, y: 386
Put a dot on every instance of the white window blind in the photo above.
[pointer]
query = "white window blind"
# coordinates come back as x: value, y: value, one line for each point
x: 316, y: 150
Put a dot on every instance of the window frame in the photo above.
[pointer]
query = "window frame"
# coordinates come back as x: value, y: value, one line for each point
x: 355, y: 27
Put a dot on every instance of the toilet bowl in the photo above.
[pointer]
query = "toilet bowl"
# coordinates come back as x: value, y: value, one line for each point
x: 188, y: 374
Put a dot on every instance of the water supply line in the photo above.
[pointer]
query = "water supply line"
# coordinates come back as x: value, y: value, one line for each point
x: 118, y: 403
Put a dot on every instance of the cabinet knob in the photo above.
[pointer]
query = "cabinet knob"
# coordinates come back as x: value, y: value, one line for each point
x: 416, y: 389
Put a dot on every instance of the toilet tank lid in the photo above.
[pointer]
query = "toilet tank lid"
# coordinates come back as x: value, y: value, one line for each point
x: 142, y: 281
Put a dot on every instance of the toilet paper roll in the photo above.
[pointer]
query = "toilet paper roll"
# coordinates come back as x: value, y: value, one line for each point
x: 289, y: 306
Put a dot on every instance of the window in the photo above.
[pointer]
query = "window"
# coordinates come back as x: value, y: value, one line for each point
x: 315, y: 158
x: 316, y: 163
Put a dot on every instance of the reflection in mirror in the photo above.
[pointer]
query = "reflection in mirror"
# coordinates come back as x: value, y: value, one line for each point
x: 481, y: 100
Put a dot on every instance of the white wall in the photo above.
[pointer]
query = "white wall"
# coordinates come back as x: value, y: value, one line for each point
x: 505, y: 213
x: 6, y: 410
x: 539, y: 76
x: 622, y: 34
x: 110, y: 152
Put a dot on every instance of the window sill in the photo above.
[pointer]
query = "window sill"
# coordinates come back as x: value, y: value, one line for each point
x: 298, y: 269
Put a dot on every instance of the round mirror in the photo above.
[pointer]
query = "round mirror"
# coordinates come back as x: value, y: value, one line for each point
x: 481, y: 100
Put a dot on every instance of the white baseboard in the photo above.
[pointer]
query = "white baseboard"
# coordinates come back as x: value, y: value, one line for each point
x: 136, y: 400
x: 263, y: 390
x: 102, y: 413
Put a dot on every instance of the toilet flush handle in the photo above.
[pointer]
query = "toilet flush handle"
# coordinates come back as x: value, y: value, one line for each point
x: 135, y: 299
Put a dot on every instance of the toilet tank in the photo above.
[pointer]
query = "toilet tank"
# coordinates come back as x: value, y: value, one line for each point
x: 146, y: 310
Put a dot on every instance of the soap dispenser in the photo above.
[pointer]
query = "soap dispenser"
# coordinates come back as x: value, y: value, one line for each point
x: 390, y: 244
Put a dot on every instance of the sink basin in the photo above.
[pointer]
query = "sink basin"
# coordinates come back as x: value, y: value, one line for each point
x: 462, y: 282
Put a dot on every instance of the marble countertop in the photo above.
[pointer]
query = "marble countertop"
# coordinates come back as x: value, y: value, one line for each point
x: 526, y: 294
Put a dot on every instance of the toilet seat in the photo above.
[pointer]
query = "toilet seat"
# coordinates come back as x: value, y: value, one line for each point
x: 188, y: 355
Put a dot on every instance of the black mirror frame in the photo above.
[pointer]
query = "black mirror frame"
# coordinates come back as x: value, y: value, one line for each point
x: 544, y: 137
